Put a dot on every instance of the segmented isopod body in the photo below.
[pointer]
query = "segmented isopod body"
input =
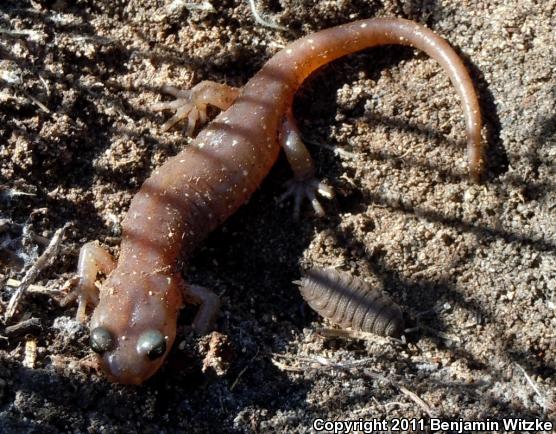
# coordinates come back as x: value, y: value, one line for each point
x: 350, y: 302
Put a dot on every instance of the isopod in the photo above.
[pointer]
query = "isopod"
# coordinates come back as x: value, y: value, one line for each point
x: 350, y: 302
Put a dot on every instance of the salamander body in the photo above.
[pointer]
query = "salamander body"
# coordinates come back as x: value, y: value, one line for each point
x: 134, y: 323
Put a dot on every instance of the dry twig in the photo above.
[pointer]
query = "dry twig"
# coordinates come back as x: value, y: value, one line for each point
x: 37, y: 289
x: 26, y: 326
x: 44, y: 260
x: 243, y: 371
x: 424, y: 406
x: 357, y: 334
x: 545, y: 403
x: 323, y: 364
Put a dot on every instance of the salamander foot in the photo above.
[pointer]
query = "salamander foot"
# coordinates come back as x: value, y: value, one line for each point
x: 209, y: 306
x: 300, y: 189
x: 92, y: 260
x: 191, y: 104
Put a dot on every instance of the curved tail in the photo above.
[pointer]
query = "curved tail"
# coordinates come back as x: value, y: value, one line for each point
x: 299, y: 59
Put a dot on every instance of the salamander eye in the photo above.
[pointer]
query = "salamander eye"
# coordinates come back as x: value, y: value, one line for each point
x: 152, y: 344
x: 101, y: 340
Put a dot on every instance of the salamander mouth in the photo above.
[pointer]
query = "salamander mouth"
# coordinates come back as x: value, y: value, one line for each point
x: 121, y: 370
x: 128, y: 380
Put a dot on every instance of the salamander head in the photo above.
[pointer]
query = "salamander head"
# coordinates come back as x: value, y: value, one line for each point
x: 134, y: 325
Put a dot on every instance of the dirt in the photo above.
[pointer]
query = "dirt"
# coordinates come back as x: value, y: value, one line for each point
x: 473, y: 266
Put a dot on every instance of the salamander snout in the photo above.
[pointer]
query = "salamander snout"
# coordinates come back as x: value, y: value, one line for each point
x: 129, y: 359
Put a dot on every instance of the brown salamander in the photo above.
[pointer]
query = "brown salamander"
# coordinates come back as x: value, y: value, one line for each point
x: 133, y: 325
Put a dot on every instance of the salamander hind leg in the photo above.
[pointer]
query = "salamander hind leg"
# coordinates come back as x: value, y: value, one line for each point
x: 92, y: 260
x: 209, y: 306
x: 191, y: 104
x: 304, y: 184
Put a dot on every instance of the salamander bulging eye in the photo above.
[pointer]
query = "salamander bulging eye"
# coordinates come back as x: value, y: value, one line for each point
x: 151, y: 344
x: 101, y: 340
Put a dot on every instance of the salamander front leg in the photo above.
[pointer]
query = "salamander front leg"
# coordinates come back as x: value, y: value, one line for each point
x: 92, y: 260
x: 209, y: 306
x: 192, y: 103
x: 304, y: 184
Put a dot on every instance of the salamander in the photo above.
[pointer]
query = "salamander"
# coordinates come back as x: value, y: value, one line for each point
x: 133, y: 325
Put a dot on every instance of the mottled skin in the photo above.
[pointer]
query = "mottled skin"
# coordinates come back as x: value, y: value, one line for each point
x: 195, y: 191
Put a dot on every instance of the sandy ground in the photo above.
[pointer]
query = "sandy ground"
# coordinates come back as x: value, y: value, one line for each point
x: 473, y: 265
